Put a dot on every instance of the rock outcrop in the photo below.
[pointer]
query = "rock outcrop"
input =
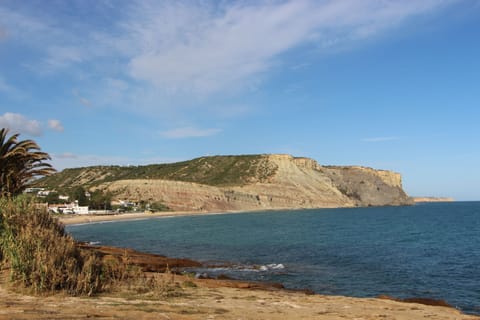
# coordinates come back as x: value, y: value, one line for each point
x: 273, y: 182
x: 432, y: 199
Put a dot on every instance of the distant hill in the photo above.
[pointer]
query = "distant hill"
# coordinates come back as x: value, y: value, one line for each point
x: 433, y: 199
x: 246, y: 182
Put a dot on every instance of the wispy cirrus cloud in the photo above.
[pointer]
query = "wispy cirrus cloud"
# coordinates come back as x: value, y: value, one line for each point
x: 205, y: 48
x: 171, y: 51
x: 189, y: 132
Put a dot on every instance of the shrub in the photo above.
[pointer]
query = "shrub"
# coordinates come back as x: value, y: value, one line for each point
x: 43, y: 257
x: 40, y: 254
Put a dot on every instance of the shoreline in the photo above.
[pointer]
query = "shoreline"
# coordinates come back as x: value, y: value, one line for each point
x: 221, y: 283
x: 286, y: 296
x: 77, y: 219
x: 154, y: 263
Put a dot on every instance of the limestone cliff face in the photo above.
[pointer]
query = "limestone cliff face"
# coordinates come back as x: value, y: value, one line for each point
x: 287, y: 182
x: 369, y: 187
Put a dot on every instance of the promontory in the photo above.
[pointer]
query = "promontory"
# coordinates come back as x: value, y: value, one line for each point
x: 246, y: 182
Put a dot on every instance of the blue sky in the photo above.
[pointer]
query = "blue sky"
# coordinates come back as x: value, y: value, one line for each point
x: 387, y: 84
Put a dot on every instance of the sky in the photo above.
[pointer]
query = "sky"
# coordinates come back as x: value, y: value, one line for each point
x: 386, y: 84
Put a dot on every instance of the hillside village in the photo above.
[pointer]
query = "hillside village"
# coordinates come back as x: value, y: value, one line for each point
x: 75, y: 203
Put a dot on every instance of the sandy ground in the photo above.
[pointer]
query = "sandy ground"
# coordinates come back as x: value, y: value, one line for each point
x: 208, y: 300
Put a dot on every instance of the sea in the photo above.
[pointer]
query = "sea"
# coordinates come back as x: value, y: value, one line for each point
x: 429, y: 250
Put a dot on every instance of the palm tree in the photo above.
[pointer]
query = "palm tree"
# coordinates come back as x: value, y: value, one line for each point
x: 20, y: 163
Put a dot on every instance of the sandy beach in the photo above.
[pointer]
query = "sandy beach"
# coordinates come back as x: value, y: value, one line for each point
x: 90, y: 218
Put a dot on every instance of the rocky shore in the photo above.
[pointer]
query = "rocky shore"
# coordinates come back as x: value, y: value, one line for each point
x: 195, y: 298
x: 211, y: 299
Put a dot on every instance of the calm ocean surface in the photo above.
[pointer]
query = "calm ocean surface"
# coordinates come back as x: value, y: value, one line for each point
x: 426, y: 250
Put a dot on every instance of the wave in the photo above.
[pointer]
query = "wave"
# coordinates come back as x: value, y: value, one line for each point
x: 244, y: 268
x: 272, y: 266
x: 235, y: 270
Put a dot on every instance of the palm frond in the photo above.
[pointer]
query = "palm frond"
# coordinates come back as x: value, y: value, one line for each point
x: 20, y: 163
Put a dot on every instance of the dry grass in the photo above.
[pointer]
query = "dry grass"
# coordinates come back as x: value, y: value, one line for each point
x: 39, y: 253
x: 41, y: 256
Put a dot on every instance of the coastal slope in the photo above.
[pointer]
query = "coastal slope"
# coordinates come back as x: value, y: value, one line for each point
x: 254, y: 182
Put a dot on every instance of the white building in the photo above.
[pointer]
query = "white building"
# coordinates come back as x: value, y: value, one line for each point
x: 33, y: 190
x: 70, y: 208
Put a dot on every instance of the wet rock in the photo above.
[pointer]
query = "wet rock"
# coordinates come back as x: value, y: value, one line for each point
x: 147, y: 261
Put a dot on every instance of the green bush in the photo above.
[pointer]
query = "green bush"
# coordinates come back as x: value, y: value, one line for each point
x: 39, y: 253
x: 41, y: 256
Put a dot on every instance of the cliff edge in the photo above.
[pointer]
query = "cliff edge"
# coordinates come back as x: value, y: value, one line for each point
x: 219, y: 183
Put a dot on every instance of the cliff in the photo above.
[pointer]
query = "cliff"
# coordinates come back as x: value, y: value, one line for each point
x: 242, y: 183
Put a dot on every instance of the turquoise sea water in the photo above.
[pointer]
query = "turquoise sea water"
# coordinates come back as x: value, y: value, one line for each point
x: 426, y: 250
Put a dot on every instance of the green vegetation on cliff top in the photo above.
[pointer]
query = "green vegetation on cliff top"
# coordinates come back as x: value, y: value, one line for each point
x: 214, y: 171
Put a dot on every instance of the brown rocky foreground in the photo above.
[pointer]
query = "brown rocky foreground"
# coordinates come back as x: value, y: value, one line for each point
x: 147, y: 261
x: 184, y: 297
x: 209, y: 299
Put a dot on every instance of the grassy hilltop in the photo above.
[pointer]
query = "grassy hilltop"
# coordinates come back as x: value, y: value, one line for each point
x: 213, y: 171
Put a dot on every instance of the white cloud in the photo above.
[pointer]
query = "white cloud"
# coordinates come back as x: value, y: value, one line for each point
x: 189, y: 132
x: 19, y: 123
x: 185, y: 50
x: 206, y: 49
x: 55, y: 125
x: 380, y: 139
